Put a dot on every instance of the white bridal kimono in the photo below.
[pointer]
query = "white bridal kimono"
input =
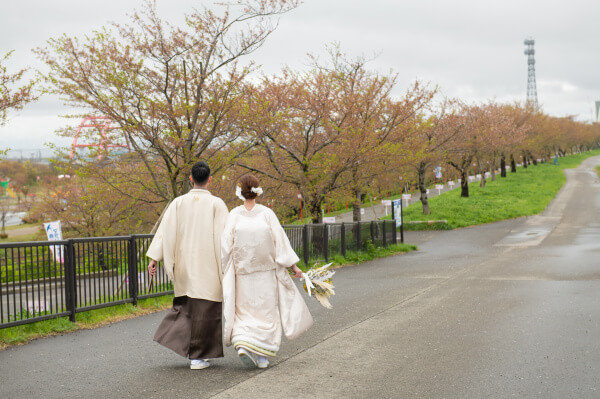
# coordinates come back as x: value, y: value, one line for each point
x: 259, y: 297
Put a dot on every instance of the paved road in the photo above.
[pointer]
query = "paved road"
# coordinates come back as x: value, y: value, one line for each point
x: 509, y: 309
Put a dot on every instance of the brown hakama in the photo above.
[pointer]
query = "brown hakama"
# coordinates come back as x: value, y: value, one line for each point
x: 192, y: 328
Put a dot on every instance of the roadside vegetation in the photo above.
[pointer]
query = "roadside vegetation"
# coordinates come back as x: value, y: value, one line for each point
x: 526, y: 192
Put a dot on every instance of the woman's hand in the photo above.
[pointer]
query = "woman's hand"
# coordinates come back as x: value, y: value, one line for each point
x: 297, y: 272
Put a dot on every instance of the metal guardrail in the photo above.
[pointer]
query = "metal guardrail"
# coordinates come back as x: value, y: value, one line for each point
x: 48, y: 279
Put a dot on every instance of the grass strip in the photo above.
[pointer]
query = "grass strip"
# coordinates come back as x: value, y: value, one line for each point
x: 356, y: 257
x: 371, y: 252
x: 85, y: 320
x: 524, y: 193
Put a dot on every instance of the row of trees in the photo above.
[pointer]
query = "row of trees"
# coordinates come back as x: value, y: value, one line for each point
x: 328, y: 134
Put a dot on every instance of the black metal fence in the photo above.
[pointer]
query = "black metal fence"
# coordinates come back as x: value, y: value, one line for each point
x: 48, y: 279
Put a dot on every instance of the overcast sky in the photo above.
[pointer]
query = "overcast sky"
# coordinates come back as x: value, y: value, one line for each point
x: 472, y: 49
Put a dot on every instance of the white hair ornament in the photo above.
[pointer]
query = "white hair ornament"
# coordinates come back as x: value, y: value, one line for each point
x: 238, y: 193
x: 257, y: 190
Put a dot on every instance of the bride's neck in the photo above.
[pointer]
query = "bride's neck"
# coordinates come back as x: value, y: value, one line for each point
x: 250, y: 203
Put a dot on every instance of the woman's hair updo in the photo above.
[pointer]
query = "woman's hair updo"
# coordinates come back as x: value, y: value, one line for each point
x: 247, y: 182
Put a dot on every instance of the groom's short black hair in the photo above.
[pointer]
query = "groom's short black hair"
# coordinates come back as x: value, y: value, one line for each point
x: 200, y: 173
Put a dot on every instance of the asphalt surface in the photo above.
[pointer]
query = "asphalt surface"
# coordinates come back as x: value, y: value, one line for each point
x: 509, y: 309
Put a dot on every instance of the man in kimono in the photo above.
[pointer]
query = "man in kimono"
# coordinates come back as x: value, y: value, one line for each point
x: 188, y: 242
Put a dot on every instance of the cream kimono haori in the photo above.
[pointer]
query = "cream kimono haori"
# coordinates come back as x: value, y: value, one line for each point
x: 259, y: 297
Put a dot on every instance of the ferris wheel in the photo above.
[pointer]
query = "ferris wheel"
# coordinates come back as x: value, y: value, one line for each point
x: 103, y: 126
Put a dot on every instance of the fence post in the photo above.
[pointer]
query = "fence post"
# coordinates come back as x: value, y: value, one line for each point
x: 70, y: 283
x: 305, y: 244
x: 132, y: 270
x: 395, y: 235
x: 383, y: 232
x: 372, y: 232
x: 325, y: 242
x: 343, y: 240
x: 358, y: 234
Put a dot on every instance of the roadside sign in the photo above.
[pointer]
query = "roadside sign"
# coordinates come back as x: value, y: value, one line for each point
x: 386, y: 202
x: 397, y: 212
x: 329, y: 219
x: 54, y: 233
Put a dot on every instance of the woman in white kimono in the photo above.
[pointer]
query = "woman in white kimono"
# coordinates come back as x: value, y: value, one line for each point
x: 259, y: 297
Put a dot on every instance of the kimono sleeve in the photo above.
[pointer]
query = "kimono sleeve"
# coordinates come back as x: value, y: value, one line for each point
x: 228, y: 270
x: 227, y: 241
x: 219, y: 221
x: 162, y: 247
x: 285, y: 255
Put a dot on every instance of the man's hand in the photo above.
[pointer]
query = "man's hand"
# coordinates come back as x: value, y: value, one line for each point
x: 297, y: 272
x: 152, y: 267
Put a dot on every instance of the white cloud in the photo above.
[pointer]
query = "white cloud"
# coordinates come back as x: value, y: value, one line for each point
x: 472, y: 49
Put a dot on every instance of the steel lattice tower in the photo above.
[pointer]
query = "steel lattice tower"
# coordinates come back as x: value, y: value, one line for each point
x: 531, y: 85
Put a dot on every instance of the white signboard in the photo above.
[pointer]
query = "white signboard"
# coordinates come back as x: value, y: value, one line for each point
x: 406, y: 196
x: 451, y: 183
x: 329, y: 219
x: 386, y: 202
x: 439, y: 186
x: 397, y: 212
x: 478, y: 176
x: 362, y: 211
x: 54, y: 233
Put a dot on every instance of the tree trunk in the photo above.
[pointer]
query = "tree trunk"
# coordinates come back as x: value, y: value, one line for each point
x: 503, y: 165
x: 493, y: 174
x: 464, y: 183
x: 525, y: 161
x: 513, y: 164
x: 482, y: 181
x: 315, y: 212
x: 423, y: 188
x: 356, y: 217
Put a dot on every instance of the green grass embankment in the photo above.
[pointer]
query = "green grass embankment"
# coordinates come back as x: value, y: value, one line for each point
x: 524, y: 193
